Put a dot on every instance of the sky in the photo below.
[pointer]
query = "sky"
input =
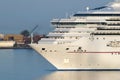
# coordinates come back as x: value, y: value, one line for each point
x: 18, y: 15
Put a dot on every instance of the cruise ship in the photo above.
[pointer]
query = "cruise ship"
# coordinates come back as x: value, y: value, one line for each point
x: 86, y: 40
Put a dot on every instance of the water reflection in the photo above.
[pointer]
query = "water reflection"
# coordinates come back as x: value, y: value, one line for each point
x: 82, y: 75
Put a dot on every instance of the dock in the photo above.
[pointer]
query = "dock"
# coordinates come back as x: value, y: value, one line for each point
x: 18, y: 41
x: 18, y: 46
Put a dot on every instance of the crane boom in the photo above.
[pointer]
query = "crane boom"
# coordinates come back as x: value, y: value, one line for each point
x: 34, y: 28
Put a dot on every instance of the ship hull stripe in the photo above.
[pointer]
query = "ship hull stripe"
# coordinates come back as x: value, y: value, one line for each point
x: 96, y: 52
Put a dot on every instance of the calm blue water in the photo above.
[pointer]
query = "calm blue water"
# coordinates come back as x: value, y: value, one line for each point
x: 22, y: 64
x: 26, y: 64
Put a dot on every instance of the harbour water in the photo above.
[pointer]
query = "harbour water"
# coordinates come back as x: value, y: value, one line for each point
x: 26, y: 64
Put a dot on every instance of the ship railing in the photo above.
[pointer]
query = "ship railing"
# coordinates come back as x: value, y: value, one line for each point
x: 113, y: 19
x: 56, y: 20
x: 108, y: 28
x: 105, y: 33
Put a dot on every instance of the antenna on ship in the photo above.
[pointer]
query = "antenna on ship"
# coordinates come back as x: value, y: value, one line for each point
x: 31, y: 33
x: 87, y: 8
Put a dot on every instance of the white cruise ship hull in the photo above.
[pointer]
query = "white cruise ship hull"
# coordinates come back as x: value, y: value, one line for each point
x: 63, y: 60
x: 87, y: 40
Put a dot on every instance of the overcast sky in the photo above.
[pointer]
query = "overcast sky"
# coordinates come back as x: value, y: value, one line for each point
x: 17, y: 15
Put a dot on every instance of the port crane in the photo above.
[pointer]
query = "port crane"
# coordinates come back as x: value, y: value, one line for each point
x: 31, y: 32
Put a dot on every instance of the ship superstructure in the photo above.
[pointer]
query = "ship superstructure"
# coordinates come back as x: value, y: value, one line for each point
x: 86, y: 40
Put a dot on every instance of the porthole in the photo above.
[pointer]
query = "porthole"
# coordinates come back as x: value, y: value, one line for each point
x: 98, y: 64
x: 67, y: 48
x: 43, y: 48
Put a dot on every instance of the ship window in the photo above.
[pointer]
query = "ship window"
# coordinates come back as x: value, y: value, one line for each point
x: 67, y: 48
x: 74, y: 50
x: 98, y: 64
x: 71, y: 37
x: 79, y: 48
x: 43, y: 48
